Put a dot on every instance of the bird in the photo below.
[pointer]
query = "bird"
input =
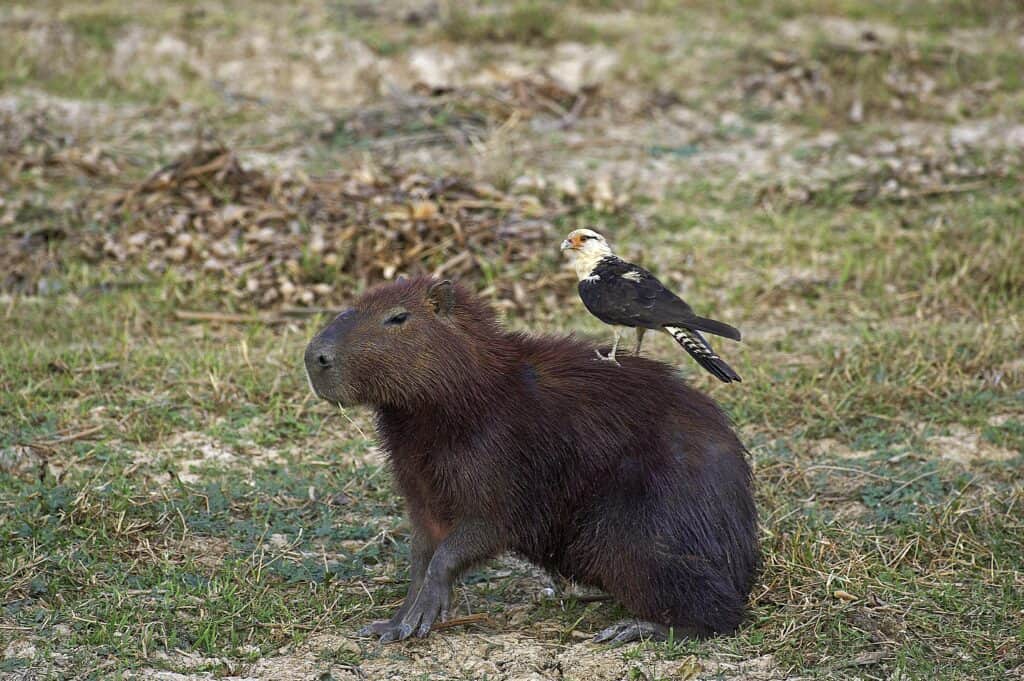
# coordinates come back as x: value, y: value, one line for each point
x: 624, y: 295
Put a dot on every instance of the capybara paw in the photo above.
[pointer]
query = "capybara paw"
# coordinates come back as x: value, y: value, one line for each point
x: 430, y: 604
x: 396, y: 631
x: 375, y: 628
x: 628, y: 631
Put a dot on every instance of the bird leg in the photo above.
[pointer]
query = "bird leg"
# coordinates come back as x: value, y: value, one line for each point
x: 610, y: 357
x: 640, y: 331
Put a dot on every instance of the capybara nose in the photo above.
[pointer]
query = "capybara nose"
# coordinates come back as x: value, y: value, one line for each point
x: 326, y: 350
x: 318, y: 356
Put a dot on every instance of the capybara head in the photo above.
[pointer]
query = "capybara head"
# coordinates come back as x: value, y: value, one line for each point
x: 400, y: 344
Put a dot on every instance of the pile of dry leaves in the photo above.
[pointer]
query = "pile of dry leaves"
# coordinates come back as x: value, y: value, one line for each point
x: 289, y: 239
x: 900, y: 171
x: 431, y: 115
x: 868, y: 76
x: 266, y: 240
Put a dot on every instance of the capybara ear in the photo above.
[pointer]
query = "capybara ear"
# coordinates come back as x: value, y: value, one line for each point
x: 441, y: 297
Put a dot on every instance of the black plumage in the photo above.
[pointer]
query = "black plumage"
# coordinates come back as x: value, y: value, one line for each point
x: 623, y: 294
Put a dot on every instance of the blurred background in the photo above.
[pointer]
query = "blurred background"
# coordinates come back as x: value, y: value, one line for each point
x: 189, y: 189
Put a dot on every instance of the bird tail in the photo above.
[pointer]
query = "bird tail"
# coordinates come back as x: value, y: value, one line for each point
x: 699, y: 349
x: 711, y: 326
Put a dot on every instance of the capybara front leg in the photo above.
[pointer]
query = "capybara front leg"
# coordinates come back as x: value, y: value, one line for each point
x: 421, y: 548
x: 468, y: 543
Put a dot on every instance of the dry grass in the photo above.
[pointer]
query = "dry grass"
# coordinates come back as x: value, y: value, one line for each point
x: 173, y: 499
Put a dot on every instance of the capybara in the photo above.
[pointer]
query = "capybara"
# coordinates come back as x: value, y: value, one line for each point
x: 618, y: 476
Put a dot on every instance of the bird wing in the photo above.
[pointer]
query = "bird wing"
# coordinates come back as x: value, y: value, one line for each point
x: 621, y: 293
x: 617, y: 292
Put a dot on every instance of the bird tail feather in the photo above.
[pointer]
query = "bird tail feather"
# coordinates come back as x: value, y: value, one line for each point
x: 712, y: 326
x: 699, y: 349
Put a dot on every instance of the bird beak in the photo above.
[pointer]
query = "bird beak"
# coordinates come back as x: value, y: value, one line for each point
x: 566, y: 245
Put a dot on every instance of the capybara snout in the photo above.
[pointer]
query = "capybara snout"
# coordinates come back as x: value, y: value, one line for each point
x: 325, y: 359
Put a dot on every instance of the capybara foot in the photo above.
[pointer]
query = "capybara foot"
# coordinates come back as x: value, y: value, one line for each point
x: 628, y: 631
x: 430, y: 605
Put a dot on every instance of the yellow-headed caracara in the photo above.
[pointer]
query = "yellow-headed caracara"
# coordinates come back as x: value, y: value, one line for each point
x: 622, y: 294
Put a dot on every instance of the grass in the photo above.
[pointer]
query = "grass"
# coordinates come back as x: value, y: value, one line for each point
x: 171, y: 496
x: 528, y: 22
x: 74, y: 58
x: 104, y: 537
x: 930, y: 15
x: 121, y: 548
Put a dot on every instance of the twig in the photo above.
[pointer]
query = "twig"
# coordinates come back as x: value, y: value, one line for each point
x: 227, y: 317
x: 71, y: 437
x: 847, y: 469
x: 866, y: 658
x: 905, y: 485
x: 946, y: 189
x: 307, y: 311
x: 353, y: 423
x: 95, y: 368
x: 459, y: 621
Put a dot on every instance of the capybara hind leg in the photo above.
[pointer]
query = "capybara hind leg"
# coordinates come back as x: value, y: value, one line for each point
x: 627, y: 631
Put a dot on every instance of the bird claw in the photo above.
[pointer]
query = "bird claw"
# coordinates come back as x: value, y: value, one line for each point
x: 607, y: 358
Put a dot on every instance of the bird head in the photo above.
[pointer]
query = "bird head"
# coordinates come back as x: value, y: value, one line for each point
x: 585, y: 242
x: 585, y: 248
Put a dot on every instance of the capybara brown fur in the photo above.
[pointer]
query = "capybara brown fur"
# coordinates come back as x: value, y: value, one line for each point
x: 621, y: 477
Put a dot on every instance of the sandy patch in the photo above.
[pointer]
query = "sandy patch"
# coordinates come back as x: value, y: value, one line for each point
x: 501, y: 657
x: 830, y: 448
x: 965, y: 446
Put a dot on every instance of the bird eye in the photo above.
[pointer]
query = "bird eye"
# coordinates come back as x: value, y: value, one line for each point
x: 396, y: 319
x: 588, y: 236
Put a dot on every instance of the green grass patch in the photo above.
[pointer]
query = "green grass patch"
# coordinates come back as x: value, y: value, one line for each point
x: 528, y: 22
x: 98, y: 28
x: 138, y: 564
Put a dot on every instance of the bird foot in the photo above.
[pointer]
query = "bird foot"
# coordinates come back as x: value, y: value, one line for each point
x: 607, y: 358
x: 628, y: 631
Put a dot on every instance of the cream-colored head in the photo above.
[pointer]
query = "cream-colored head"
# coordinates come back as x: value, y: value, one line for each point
x: 585, y: 249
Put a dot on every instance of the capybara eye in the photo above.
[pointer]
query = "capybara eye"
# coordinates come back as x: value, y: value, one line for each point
x: 396, y: 319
